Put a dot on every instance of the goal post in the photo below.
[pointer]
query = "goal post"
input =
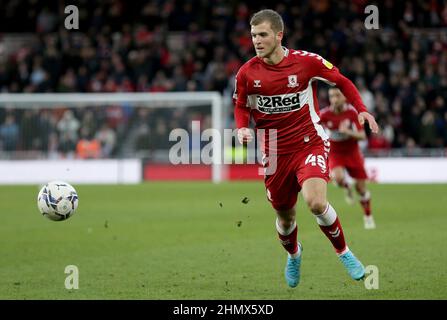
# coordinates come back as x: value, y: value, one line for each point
x: 140, y: 99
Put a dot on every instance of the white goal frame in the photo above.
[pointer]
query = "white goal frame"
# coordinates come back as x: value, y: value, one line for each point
x: 155, y: 99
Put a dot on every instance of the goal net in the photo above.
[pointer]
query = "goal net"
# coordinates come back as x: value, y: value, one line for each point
x: 62, y: 127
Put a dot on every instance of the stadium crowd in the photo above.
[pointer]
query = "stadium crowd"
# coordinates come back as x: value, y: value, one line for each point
x: 162, y: 46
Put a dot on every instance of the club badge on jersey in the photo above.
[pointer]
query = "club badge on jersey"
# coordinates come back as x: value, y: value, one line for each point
x: 293, y: 82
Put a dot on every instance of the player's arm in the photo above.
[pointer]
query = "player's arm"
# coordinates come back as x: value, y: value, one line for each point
x: 241, y: 111
x: 356, y: 131
x: 322, y: 116
x: 325, y: 71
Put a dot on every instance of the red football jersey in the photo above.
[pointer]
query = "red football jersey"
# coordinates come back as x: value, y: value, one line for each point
x: 340, y: 142
x: 284, y: 97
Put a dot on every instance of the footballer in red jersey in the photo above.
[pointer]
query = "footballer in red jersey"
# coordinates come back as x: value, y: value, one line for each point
x: 341, y: 121
x: 277, y: 89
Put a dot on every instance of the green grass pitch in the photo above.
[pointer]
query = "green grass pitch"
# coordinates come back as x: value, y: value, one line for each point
x: 200, y: 241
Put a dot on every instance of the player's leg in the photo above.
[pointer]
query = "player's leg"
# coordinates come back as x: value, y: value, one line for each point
x: 282, y: 191
x: 357, y: 170
x: 339, y: 176
x: 365, y: 202
x: 314, y: 193
x: 365, y: 195
x: 287, y: 232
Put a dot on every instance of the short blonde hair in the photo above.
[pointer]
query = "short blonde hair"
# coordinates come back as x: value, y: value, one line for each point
x: 268, y: 15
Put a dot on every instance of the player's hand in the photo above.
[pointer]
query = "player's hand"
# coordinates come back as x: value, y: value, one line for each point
x: 371, y: 121
x: 244, y: 135
x: 344, y: 126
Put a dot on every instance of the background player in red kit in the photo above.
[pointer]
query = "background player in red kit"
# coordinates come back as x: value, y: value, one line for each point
x: 277, y: 89
x: 344, y: 132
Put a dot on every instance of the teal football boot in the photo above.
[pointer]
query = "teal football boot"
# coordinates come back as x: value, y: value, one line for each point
x: 353, y: 265
x: 292, y: 272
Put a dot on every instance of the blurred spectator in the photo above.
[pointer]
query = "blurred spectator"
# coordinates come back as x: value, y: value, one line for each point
x: 143, y: 139
x: 69, y: 125
x: 47, y: 126
x: 29, y: 127
x: 159, y: 135
x: 46, y: 21
x: 88, y: 147
x: 67, y: 146
x: 367, y: 96
x: 387, y: 129
x: 39, y: 77
x: 53, y: 145
x: 9, y: 133
x: 428, y: 137
x: 107, y: 138
x: 88, y: 121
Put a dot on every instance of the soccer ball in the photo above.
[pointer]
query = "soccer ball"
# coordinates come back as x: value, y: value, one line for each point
x: 57, y: 200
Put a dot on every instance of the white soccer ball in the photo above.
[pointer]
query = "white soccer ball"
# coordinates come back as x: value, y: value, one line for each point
x: 57, y: 200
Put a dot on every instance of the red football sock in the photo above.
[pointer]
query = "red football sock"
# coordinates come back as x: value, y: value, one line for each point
x: 365, y: 201
x: 288, y: 238
x: 331, y: 227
